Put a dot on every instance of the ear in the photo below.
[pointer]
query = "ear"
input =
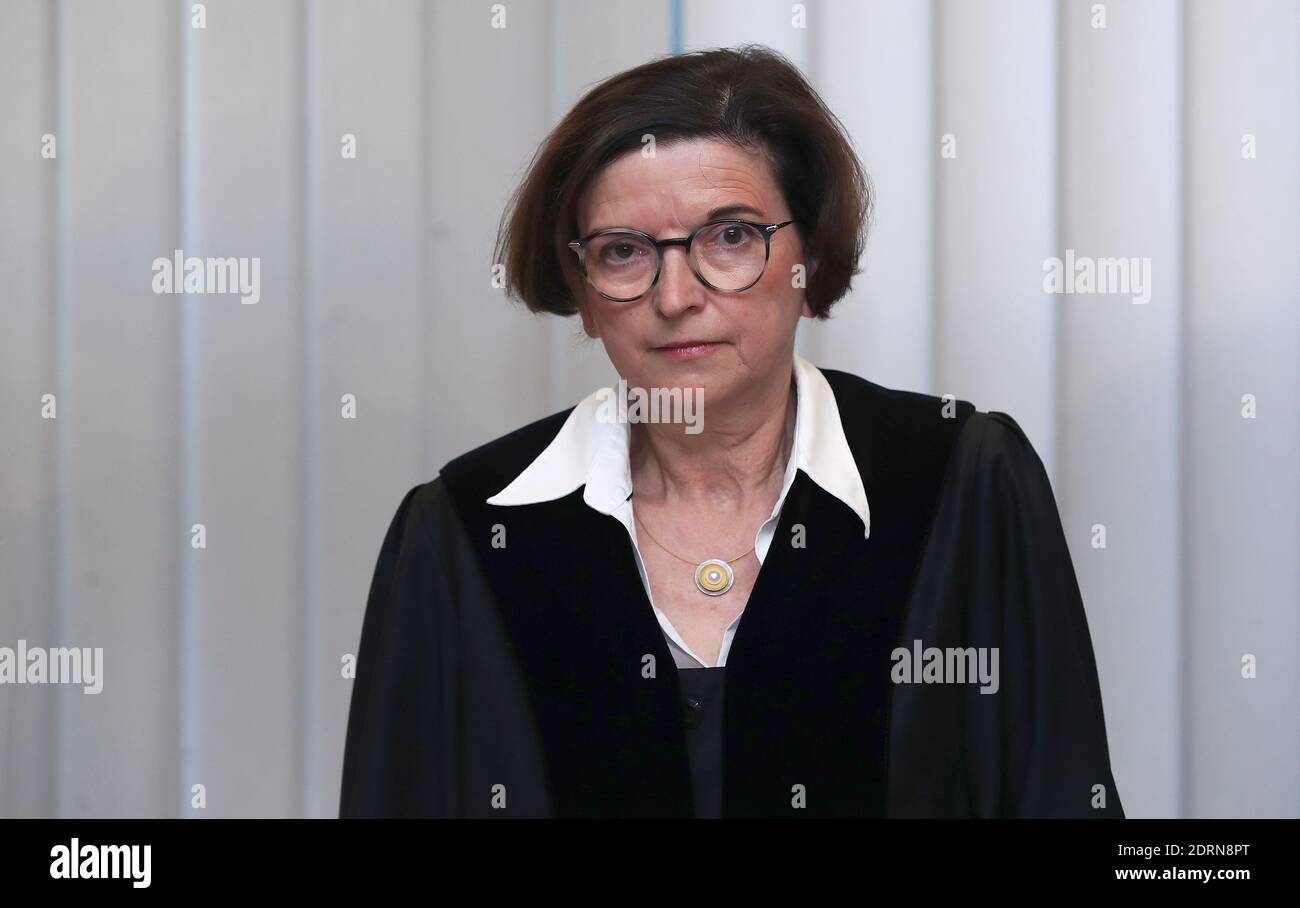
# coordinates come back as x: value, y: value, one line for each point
x: 588, y: 323
x: 807, y: 310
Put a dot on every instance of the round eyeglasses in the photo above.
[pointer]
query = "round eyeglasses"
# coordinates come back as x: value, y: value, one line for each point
x: 623, y: 264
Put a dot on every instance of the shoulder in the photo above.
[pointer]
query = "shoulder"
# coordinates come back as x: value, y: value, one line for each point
x: 995, y: 470
x: 486, y: 469
x: 1002, y: 460
x: 1001, y: 439
x: 908, y: 438
x: 895, y: 432
x: 913, y: 417
x: 424, y: 510
x: 998, y: 445
x: 896, y: 412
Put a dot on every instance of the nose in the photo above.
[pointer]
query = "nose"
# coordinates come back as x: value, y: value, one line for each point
x: 678, y: 289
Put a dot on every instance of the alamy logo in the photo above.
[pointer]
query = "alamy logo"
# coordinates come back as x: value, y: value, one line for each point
x: 102, y: 862
x: 61, y: 665
x: 1081, y: 274
x: 951, y: 665
x: 179, y: 274
x: 682, y: 405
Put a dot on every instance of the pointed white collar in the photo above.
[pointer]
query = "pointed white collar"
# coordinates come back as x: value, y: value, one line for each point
x: 593, y: 452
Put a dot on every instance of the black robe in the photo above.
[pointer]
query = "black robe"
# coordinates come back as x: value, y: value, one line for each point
x: 532, y: 678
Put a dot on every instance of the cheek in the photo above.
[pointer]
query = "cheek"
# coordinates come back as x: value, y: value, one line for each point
x: 619, y: 328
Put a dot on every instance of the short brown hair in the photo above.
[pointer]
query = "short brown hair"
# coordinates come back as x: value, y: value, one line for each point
x: 750, y: 96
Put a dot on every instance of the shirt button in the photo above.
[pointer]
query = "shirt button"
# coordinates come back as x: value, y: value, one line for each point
x: 693, y: 712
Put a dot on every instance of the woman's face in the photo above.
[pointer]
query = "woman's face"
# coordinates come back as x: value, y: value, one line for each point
x: 669, y: 195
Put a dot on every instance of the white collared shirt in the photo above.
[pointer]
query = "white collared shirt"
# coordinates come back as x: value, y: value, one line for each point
x: 592, y: 451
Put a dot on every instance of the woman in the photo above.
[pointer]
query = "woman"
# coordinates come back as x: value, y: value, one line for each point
x: 560, y: 624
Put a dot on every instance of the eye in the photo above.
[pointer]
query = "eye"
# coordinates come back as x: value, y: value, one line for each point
x: 729, y: 237
x: 621, y: 251
x: 617, y: 251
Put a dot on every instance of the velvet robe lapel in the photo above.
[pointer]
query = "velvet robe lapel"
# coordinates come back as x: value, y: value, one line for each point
x: 804, y: 712
x: 808, y: 676
x: 601, y: 678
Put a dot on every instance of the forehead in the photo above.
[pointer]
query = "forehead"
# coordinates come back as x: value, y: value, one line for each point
x: 676, y: 189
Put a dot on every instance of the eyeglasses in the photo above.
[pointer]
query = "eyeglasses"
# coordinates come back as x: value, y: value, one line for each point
x: 726, y: 255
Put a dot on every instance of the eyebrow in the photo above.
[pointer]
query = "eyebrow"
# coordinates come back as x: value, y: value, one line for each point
x: 725, y: 211
x: 729, y: 210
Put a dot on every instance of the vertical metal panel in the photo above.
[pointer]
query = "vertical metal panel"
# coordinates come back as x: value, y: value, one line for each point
x: 997, y: 210
x: 118, y: 363
x: 870, y: 57
x: 726, y: 23
x: 244, y: 649
x: 365, y: 322
x: 1242, y: 487
x: 1118, y: 413
x: 486, y: 362
x: 28, y: 531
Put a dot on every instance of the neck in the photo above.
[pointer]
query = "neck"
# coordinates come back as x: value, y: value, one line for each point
x: 741, y: 452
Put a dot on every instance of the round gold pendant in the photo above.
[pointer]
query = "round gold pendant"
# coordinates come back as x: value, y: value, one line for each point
x: 713, y: 577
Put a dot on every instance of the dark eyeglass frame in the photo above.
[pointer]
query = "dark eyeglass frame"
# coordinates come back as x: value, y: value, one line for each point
x: 580, y: 247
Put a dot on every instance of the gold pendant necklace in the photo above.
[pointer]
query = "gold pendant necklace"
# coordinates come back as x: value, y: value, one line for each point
x: 713, y: 576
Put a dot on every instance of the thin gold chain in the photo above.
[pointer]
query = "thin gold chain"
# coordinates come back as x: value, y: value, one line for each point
x: 674, y: 554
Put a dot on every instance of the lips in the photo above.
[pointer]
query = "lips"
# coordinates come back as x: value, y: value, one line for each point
x: 681, y: 345
x: 686, y: 350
